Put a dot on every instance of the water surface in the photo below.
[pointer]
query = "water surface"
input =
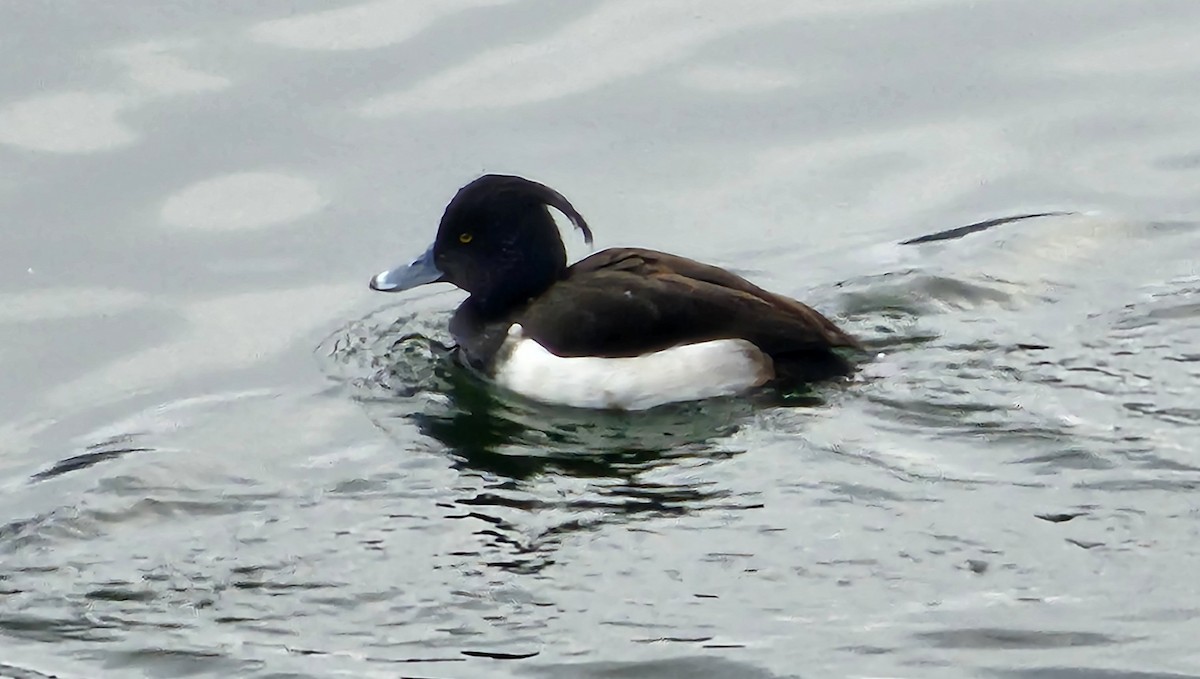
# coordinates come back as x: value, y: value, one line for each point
x: 221, y: 456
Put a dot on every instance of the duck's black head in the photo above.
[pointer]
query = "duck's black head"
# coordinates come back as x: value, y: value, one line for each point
x: 497, y: 241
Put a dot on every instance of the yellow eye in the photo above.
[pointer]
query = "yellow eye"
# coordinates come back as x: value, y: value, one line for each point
x: 465, y: 238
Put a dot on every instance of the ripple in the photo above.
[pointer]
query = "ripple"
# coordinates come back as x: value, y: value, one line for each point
x: 532, y: 475
x: 998, y: 638
x: 741, y: 79
x: 695, y: 667
x: 1107, y: 167
x: 66, y: 303
x: 1140, y: 52
x: 248, y: 328
x: 13, y: 672
x: 1058, y: 672
x: 243, y: 200
x: 400, y: 369
x: 67, y: 122
x: 55, y: 630
x: 111, y: 449
x: 153, y: 67
x: 369, y: 25
x: 774, y: 181
x: 617, y: 39
x: 177, y: 662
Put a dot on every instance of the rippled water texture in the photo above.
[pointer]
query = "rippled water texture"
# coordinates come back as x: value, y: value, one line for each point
x: 221, y: 455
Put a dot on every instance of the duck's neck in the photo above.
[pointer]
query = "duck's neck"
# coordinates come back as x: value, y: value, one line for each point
x: 515, y: 288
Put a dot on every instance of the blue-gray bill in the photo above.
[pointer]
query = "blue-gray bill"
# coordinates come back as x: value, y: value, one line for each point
x: 422, y: 270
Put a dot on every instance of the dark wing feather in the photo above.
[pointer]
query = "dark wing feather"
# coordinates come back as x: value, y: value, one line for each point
x: 627, y: 301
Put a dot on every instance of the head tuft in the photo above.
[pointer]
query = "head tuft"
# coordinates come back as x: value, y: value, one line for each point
x: 503, y: 188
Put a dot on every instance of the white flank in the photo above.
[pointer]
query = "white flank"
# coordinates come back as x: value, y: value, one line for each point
x: 684, y: 373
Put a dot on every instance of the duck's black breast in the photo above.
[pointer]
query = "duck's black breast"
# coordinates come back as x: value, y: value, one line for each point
x: 629, y: 301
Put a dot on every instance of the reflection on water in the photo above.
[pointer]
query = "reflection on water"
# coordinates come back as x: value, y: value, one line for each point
x: 416, y: 366
x: 605, y: 460
x: 398, y: 372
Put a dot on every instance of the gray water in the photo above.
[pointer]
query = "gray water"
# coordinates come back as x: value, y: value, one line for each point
x: 219, y: 459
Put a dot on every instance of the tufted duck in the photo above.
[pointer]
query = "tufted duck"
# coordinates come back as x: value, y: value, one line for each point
x: 625, y: 328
